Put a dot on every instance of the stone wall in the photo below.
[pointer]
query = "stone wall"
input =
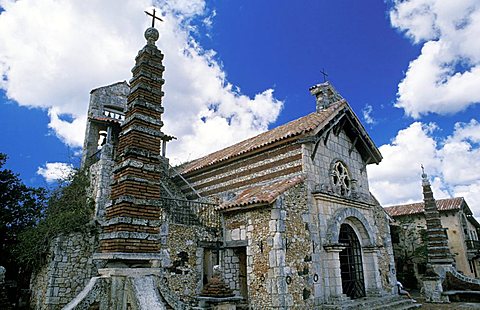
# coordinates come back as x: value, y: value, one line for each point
x: 69, y: 268
x: 299, y: 272
x: 278, y: 252
x: 385, y: 252
x: 182, y: 260
x: 450, y: 220
x: 249, y: 230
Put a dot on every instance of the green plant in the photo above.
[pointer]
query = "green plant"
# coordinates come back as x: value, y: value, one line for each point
x: 69, y: 209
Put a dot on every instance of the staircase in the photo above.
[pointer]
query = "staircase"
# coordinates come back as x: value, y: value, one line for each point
x: 379, y: 303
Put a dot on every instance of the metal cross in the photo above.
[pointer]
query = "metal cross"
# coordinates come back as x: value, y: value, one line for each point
x: 153, y: 17
x: 423, y: 169
x: 324, y: 75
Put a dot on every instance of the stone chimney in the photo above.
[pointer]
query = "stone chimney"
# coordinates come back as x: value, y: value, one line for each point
x: 325, y: 95
x: 438, y: 252
x: 130, y: 233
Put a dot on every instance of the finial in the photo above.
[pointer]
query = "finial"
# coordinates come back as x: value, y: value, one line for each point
x: 151, y: 34
x: 325, y: 74
x: 153, y: 17
x: 424, y: 176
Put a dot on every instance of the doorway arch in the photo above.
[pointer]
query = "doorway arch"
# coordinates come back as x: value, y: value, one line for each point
x: 351, y: 265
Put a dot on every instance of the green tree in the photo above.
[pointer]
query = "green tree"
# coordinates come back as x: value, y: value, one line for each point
x: 21, y: 207
x: 68, y: 209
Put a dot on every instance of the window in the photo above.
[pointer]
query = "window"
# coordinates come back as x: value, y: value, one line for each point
x: 341, y: 179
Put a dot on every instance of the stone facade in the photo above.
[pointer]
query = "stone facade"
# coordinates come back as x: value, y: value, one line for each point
x: 292, y: 212
x: 462, y: 231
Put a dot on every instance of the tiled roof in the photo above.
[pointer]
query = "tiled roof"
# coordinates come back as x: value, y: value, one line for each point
x: 261, y: 194
x: 419, y: 207
x: 294, y: 128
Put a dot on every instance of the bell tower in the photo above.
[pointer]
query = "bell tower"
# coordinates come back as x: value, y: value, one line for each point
x: 130, y: 232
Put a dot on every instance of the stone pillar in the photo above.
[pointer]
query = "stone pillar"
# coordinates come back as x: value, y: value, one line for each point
x: 333, y: 277
x: 373, y: 283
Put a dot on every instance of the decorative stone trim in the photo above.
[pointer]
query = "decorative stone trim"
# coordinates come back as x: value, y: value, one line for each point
x: 143, y: 129
x: 131, y: 150
x: 334, y: 247
x: 139, y: 180
x: 136, y: 164
x: 127, y: 256
x: 131, y: 220
x: 145, y: 118
x: 129, y: 235
x: 137, y: 201
x: 145, y: 104
x: 340, y: 216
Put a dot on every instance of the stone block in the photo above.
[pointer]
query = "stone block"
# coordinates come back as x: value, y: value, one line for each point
x: 236, y: 234
x: 272, y: 259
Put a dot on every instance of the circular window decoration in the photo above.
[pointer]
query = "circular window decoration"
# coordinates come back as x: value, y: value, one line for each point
x: 341, y: 179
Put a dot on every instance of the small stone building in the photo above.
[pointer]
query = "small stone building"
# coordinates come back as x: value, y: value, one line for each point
x: 287, y: 214
x: 462, y: 230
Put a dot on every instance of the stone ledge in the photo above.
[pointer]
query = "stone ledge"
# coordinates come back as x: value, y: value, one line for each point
x: 142, y: 117
x: 129, y: 272
x: 136, y: 201
x: 137, y: 179
x: 127, y: 256
x: 143, y: 129
x: 146, y: 104
x: 131, y: 220
x: 137, y: 164
x: 129, y: 235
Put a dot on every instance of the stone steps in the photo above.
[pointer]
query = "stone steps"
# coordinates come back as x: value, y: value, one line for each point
x: 388, y: 302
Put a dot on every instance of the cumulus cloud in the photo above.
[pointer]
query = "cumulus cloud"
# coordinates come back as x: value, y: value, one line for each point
x: 55, y: 171
x: 451, y: 163
x: 444, y: 78
x: 52, y: 53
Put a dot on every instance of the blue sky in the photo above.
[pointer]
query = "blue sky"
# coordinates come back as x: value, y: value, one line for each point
x: 409, y: 69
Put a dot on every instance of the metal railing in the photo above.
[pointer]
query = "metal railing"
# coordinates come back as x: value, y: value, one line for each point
x: 192, y: 212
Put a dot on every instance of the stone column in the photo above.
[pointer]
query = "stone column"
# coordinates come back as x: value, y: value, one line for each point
x: 373, y: 283
x: 333, y: 277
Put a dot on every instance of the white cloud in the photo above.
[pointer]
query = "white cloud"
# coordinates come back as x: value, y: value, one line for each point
x: 52, y: 53
x: 444, y: 78
x: 55, y: 171
x: 451, y: 163
x: 367, y: 114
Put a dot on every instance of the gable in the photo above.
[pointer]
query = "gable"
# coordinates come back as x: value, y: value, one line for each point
x: 346, y: 120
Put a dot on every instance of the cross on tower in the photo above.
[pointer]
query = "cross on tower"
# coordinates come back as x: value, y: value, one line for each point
x: 324, y: 75
x: 153, y: 17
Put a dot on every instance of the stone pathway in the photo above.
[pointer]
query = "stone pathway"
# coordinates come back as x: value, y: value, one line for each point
x: 450, y: 306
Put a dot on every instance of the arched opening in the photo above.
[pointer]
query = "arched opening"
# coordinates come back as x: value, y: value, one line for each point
x: 351, y: 266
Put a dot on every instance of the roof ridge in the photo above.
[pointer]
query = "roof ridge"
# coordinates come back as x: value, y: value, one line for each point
x: 282, y: 132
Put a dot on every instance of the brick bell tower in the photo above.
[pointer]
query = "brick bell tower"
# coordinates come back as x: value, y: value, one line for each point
x: 437, y: 244
x: 130, y: 232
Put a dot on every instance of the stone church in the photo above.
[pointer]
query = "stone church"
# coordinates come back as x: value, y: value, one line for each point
x: 283, y: 220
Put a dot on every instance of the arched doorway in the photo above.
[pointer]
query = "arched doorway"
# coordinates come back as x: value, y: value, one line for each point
x: 351, y: 266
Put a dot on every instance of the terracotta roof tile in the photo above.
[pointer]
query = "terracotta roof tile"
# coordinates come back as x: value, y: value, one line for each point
x: 294, y: 128
x: 417, y: 208
x: 262, y: 194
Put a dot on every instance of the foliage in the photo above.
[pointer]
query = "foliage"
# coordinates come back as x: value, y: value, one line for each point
x: 21, y: 207
x: 68, y: 210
